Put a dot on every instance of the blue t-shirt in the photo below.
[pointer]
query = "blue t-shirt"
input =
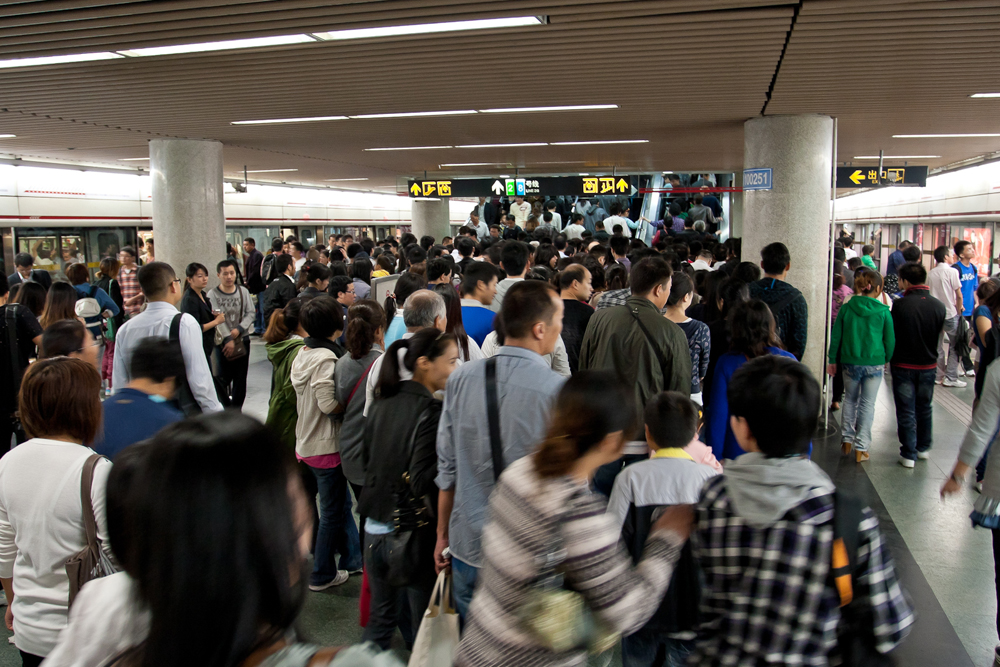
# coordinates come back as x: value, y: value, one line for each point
x: 970, y: 281
x: 478, y: 322
x: 131, y: 416
x: 396, y: 329
x: 981, y: 311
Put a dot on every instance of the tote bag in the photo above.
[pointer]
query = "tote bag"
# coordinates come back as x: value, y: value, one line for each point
x: 437, y: 638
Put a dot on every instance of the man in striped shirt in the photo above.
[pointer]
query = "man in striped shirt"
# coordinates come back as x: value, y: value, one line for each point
x: 128, y: 281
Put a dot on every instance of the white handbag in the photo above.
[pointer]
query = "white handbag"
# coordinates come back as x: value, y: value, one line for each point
x: 437, y: 638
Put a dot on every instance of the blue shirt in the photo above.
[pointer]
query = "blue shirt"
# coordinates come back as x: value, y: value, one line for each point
x: 896, y: 260
x: 969, y: 277
x: 981, y: 311
x: 105, y: 301
x: 396, y: 329
x: 131, y: 416
x: 477, y: 319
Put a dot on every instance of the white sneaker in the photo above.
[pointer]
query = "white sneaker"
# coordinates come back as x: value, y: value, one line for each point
x: 938, y: 381
x: 903, y: 461
x: 955, y: 383
x: 923, y: 456
x: 341, y: 578
x: 970, y: 373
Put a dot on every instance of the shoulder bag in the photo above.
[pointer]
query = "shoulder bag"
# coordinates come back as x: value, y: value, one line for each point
x: 493, y: 415
x: 652, y: 343
x: 91, y: 562
x: 184, y: 397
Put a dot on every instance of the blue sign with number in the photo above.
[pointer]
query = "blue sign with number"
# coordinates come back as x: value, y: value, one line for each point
x: 757, y: 179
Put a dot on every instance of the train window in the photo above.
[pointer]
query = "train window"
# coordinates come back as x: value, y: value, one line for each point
x: 307, y: 236
x: 42, y: 246
x: 71, y: 249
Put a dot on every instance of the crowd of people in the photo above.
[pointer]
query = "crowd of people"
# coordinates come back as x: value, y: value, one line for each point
x: 607, y: 425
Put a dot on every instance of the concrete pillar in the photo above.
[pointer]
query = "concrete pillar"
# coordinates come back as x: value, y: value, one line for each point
x: 796, y: 211
x: 431, y: 217
x: 736, y: 208
x: 188, y: 220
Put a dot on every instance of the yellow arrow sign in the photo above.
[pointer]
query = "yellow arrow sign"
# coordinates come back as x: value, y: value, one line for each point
x: 415, y: 189
x: 622, y: 185
x: 857, y: 177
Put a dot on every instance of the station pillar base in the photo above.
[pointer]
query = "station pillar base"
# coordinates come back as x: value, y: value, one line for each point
x: 431, y: 217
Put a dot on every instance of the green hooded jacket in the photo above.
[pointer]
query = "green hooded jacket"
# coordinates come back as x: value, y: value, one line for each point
x: 282, y: 413
x: 863, y: 333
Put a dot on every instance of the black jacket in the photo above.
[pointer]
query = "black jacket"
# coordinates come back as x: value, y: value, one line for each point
x: 43, y: 278
x: 917, y: 320
x: 201, y: 311
x: 386, y: 453
x: 277, y: 295
x: 252, y: 267
x: 790, y: 310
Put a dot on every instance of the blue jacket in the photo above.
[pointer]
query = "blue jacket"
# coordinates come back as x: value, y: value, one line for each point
x: 131, y: 416
x: 896, y: 260
x: 105, y: 301
x: 719, y: 435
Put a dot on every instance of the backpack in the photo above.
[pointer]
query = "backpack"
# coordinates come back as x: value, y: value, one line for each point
x: 88, y: 307
x: 269, y: 270
x: 185, y: 399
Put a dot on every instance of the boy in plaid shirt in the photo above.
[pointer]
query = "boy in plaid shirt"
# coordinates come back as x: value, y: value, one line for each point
x: 763, y: 537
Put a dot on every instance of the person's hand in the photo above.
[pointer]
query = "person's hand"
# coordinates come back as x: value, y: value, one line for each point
x: 954, y: 482
x: 440, y: 560
x: 831, y: 369
x: 227, y: 349
x: 678, y: 519
x: 133, y: 300
x: 8, y: 617
x: 220, y: 318
x: 234, y: 334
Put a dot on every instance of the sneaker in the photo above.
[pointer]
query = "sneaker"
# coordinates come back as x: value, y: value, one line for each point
x: 955, y: 383
x: 938, y: 381
x: 996, y: 657
x: 341, y: 578
x: 970, y: 373
x: 903, y: 461
x: 923, y: 456
x: 978, y: 486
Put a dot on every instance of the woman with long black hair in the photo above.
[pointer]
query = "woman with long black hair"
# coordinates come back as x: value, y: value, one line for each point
x: 361, y: 273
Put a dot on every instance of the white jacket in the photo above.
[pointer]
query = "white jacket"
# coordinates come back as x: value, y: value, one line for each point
x: 316, y: 432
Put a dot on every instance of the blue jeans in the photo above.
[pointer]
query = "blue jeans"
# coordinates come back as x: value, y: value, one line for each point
x: 913, y: 392
x: 463, y: 585
x: 337, y: 532
x: 861, y: 385
x: 259, y: 323
x: 649, y: 648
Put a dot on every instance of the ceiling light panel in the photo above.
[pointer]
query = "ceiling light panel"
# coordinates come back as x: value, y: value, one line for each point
x: 522, y: 145
x: 58, y: 60
x: 275, y: 121
x: 416, y: 114
x: 896, y: 157
x: 7, y: 136
x: 942, y: 136
x: 133, y: 159
x: 475, y: 164
x: 984, y: 95
x: 340, y: 180
x: 430, y: 28
x: 228, y: 45
x: 408, y: 148
x: 267, y: 171
x: 578, y: 107
x: 599, y: 143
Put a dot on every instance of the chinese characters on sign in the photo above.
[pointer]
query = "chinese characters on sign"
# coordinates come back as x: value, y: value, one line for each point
x: 605, y: 185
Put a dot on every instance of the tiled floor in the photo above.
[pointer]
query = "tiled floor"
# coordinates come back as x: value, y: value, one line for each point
x: 945, y: 565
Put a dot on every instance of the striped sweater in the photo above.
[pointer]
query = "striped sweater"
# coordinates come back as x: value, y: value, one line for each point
x: 523, y: 513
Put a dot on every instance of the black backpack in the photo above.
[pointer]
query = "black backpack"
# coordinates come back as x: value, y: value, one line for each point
x: 269, y: 269
x: 185, y: 399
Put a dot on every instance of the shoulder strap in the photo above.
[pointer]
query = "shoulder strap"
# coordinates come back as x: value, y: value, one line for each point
x: 649, y: 338
x: 847, y: 514
x: 10, y: 314
x: 784, y: 303
x: 361, y: 379
x: 493, y: 413
x: 86, y: 486
x: 175, y: 328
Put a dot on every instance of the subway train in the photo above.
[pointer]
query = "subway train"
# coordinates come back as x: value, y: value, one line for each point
x: 962, y: 204
x: 69, y: 215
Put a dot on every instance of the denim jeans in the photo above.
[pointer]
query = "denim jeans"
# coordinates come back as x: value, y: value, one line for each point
x: 392, y: 607
x: 947, y: 366
x: 913, y: 392
x: 861, y: 385
x: 463, y: 585
x: 648, y: 648
x: 335, y: 532
x: 259, y: 322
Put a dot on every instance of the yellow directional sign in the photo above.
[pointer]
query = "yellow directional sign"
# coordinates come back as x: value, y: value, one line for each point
x: 431, y: 188
x: 415, y: 190
x: 857, y: 177
x: 869, y: 177
x: 605, y: 185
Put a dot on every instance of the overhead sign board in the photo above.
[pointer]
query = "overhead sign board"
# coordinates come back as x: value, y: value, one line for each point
x: 871, y: 177
x: 757, y: 179
x: 583, y: 186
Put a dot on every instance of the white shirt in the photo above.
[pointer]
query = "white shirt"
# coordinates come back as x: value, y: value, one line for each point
x: 556, y: 219
x: 557, y: 361
x: 574, y: 231
x: 943, y: 281
x: 41, y: 527
x: 520, y: 212
x: 609, y: 225
x: 850, y: 253
x: 502, y: 288
x: 155, y: 321
x: 701, y: 265
x: 299, y: 263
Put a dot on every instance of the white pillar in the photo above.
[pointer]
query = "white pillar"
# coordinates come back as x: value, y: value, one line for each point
x: 796, y: 211
x: 189, y: 224
x: 736, y: 208
x: 431, y: 217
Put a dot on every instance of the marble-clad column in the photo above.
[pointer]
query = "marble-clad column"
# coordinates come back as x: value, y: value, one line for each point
x: 431, y: 217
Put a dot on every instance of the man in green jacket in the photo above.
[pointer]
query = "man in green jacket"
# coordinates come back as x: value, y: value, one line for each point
x: 645, y: 349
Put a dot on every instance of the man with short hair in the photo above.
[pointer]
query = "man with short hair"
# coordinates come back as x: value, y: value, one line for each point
x: 945, y: 286
x: 466, y: 248
x: 575, y: 229
x: 547, y: 229
x: 619, y: 250
x: 439, y: 271
x: 143, y: 408
x: 268, y: 271
x: 252, y: 267
x: 788, y: 306
x: 520, y: 210
x: 235, y: 303
x: 297, y: 251
x: 600, y: 234
x: 511, y: 230
x: 550, y: 207
x: 514, y: 262
x: 526, y: 389
x: 619, y: 216
x: 478, y: 225
x: 425, y: 309
x: 20, y: 335
x: 24, y: 273
x: 917, y: 320
x: 128, y: 282
x: 896, y: 259
x: 575, y: 290
x: 968, y: 274
x: 704, y: 261
x: 163, y: 291
x: 699, y: 211
x: 282, y: 289
x: 479, y: 285
x: 766, y: 538
x: 487, y: 213
x: 495, y: 232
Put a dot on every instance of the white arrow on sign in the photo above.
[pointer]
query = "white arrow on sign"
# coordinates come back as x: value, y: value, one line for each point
x: 497, y: 188
x: 634, y: 190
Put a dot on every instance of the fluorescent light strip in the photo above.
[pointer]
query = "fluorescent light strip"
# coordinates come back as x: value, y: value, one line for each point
x: 337, y: 180
x: 502, y: 145
x: 476, y: 164
x: 895, y: 157
x: 985, y: 95
x: 428, y: 28
x: 7, y: 136
x: 942, y: 136
x: 133, y: 159
x: 311, y: 119
x: 228, y: 45
x: 578, y: 107
x: 409, y: 148
x: 598, y: 143
x: 416, y: 114
x: 267, y: 171
x: 58, y: 60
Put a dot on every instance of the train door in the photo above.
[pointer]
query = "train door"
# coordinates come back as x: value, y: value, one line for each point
x: 981, y: 237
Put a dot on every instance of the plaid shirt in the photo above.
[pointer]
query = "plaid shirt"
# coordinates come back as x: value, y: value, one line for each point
x: 614, y: 298
x: 768, y: 596
x: 128, y: 281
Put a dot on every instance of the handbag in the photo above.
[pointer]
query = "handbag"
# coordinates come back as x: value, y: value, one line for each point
x: 91, y: 562
x: 437, y: 638
x: 409, y: 551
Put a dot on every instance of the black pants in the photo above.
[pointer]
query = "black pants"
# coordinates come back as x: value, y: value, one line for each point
x: 233, y: 377
x: 311, y: 488
x: 838, y: 386
x: 967, y: 359
x: 357, y: 489
x: 389, y: 604
x: 29, y: 660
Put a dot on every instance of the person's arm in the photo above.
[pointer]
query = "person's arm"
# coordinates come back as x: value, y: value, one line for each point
x: 8, y: 554
x: 836, y: 332
x: 877, y: 588
x: 249, y: 314
x: 446, y: 502
x: 706, y: 352
x: 446, y: 476
x: 983, y: 324
x: 985, y: 420
x: 371, y: 384
x: 681, y: 371
x: 560, y: 359
x: 122, y: 360
x: 959, y: 306
x: 199, y: 375
x: 106, y: 302
x: 324, y: 388
x: 423, y: 463
x: 589, y: 344
x: 621, y: 498
x: 888, y: 337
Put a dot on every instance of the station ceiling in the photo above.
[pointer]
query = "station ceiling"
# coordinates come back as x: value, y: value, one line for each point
x: 685, y: 75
